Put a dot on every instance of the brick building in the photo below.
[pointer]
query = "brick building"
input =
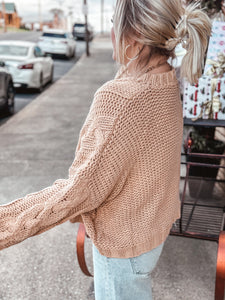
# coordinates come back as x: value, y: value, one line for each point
x: 11, y: 15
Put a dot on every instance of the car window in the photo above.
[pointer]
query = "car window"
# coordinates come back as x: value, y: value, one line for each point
x: 38, y: 52
x: 13, y: 50
x: 79, y: 25
x: 55, y: 35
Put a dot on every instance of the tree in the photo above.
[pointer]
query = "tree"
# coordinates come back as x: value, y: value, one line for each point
x: 58, y: 15
x: 57, y: 11
x: 211, y: 6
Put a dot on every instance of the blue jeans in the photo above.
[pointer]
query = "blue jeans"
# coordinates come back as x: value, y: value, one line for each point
x: 124, y: 278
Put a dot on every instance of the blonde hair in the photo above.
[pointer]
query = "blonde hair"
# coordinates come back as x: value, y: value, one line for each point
x: 161, y: 25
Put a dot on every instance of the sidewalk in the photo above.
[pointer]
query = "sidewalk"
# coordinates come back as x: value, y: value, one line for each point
x: 37, y: 147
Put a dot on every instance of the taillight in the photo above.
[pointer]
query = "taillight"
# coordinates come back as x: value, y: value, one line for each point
x: 26, y: 67
x: 64, y: 42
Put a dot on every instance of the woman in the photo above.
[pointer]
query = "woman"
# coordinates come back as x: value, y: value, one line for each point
x: 124, y: 180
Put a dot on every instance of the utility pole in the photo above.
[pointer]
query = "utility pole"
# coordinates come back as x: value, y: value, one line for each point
x: 85, y: 11
x: 3, y: 16
x: 40, y: 14
x: 102, y: 16
x: 70, y: 18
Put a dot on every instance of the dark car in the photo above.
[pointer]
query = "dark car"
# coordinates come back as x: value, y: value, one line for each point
x: 7, y: 92
x: 79, y: 31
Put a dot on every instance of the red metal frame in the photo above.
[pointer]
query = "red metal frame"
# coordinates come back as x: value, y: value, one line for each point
x: 220, y: 268
x: 80, y: 250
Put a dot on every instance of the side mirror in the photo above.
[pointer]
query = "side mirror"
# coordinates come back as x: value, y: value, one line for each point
x: 2, y: 64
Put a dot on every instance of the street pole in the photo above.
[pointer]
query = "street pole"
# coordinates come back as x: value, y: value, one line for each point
x: 40, y: 14
x: 85, y: 10
x: 70, y: 18
x: 102, y: 16
x: 4, y: 18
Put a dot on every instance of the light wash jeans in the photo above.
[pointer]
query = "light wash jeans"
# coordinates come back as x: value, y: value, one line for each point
x: 124, y: 278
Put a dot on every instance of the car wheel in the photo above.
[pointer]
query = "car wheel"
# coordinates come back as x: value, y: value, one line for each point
x: 52, y: 75
x: 41, y: 84
x: 10, y: 99
x: 73, y: 53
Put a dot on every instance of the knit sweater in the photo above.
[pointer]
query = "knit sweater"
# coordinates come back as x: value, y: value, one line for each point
x: 124, y: 179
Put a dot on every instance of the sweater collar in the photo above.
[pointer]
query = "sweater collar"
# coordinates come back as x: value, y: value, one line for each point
x: 156, y: 79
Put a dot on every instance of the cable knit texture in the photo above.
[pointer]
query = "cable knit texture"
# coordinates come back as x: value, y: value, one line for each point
x: 124, y: 180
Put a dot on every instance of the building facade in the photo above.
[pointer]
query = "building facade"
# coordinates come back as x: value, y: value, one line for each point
x: 9, y: 15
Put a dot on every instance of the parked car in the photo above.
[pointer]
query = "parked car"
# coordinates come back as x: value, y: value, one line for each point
x: 29, y: 66
x: 79, y: 31
x: 7, y: 92
x: 56, y: 41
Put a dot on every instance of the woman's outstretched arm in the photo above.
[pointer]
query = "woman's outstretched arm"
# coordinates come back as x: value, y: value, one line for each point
x: 91, y: 173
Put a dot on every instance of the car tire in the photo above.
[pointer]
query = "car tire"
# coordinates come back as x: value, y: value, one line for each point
x: 10, y: 104
x: 74, y: 53
x: 41, y: 87
x: 52, y: 75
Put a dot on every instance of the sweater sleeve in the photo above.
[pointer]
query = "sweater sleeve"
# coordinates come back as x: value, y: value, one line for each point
x: 68, y: 198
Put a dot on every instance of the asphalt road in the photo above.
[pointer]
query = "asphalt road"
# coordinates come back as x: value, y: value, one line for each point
x: 61, y: 67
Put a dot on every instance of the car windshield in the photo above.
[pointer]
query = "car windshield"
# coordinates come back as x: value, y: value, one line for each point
x: 55, y: 35
x: 11, y: 50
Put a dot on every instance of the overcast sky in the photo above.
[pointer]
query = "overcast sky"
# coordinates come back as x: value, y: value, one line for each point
x: 28, y: 10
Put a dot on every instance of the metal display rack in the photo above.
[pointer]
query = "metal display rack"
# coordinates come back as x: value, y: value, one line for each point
x: 203, y: 217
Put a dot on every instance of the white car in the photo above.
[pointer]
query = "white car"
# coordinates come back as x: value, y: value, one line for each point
x: 27, y: 64
x: 56, y: 41
x: 79, y: 31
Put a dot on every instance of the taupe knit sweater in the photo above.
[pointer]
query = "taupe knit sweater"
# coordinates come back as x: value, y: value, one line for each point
x: 124, y: 180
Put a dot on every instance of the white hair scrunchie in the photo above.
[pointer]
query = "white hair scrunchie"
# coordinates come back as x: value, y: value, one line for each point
x: 173, y: 42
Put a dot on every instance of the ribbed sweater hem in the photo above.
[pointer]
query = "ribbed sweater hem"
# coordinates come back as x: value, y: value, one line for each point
x: 152, y: 242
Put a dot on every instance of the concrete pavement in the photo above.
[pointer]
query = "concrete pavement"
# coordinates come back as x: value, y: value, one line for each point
x: 37, y: 147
